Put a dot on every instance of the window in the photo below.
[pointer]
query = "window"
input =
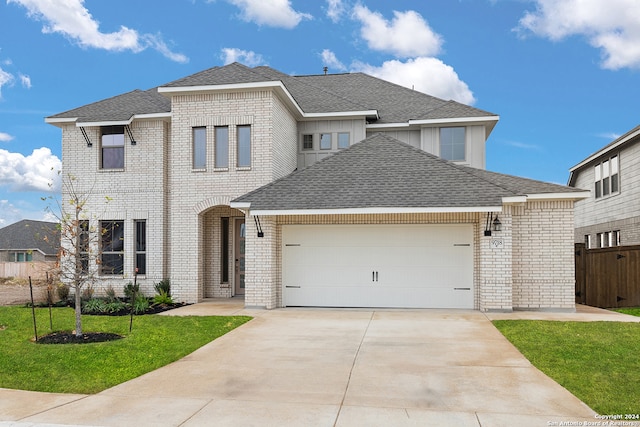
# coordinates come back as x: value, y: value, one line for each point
x: 21, y: 256
x: 112, y: 247
x: 602, y: 242
x: 244, y: 146
x: 199, y: 148
x: 307, y: 142
x: 83, y: 246
x: 112, y: 147
x: 452, y: 144
x: 607, y: 177
x: 325, y: 141
x: 222, y: 147
x: 587, y: 241
x: 614, y: 238
x: 224, y: 250
x: 343, y: 140
x: 141, y: 246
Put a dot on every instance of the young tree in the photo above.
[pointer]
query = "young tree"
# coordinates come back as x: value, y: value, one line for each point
x: 79, y: 241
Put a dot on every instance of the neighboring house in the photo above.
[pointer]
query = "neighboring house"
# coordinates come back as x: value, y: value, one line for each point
x: 249, y: 181
x: 28, y: 248
x: 611, y: 215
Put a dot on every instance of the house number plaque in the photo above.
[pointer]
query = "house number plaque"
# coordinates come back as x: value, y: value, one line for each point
x: 497, y: 244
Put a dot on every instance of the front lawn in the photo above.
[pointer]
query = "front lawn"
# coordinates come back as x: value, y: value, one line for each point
x: 634, y: 311
x: 596, y: 361
x: 155, y: 341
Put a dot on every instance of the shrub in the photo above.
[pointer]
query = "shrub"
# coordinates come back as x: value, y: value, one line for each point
x: 162, y: 298
x: 63, y: 291
x: 110, y: 293
x: 141, y: 304
x: 94, y: 306
x: 114, y: 306
x: 163, y: 286
x: 130, y: 289
x: 87, y: 293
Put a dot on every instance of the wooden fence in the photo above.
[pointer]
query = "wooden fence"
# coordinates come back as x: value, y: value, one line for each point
x: 36, y: 269
x: 608, y: 277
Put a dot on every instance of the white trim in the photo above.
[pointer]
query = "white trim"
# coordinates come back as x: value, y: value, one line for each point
x: 105, y: 123
x: 605, y: 150
x: 386, y: 125
x: 54, y: 120
x: 377, y: 210
x: 232, y: 86
x: 578, y: 195
x: 240, y: 205
x: 341, y: 114
x: 455, y: 120
x: 152, y: 116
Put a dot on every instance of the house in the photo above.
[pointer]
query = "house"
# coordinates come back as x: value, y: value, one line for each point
x: 28, y: 247
x: 326, y: 190
x: 611, y: 215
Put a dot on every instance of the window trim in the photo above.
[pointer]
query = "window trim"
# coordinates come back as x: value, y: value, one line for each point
x: 198, y: 145
x: 452, y: 143
x: 106, y: 131
x: 217, y: 148
x: 606, y: 177
x: 239, y: 148
x: 140, y: 228
x: 104, y: 230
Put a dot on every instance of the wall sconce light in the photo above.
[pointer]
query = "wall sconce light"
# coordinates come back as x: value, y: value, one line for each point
x: 497, y: 225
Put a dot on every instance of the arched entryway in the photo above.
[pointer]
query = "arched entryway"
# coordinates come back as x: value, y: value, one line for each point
x: 222, y: 263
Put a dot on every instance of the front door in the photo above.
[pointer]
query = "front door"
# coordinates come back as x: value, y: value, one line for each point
x: 239, y: 256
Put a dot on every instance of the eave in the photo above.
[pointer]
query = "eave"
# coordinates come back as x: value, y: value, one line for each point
x: 244, y: 206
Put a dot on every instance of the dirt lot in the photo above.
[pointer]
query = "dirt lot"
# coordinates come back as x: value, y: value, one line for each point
x: 15, y: 291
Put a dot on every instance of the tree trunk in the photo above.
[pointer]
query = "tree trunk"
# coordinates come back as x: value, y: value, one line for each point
x: 78, y: 311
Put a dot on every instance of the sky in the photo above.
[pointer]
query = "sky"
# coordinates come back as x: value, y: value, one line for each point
x: 563, y: 75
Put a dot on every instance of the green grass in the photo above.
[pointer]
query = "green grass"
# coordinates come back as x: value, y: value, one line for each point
x: 154, y: 341
x: 599, y: 362
x: 634, y: 311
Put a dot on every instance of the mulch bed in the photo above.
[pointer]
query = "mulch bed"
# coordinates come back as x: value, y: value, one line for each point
x: 71, y: 338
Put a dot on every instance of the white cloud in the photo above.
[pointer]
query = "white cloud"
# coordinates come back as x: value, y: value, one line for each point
x: 35, y: 172
x: 408, y: 34
x: 5, y: 137
x: 272, y: 13
x: 246, y: 57
x: 427, y: 75
x: 523, y: 145
x: 71, y: 19
x: 610, y: 25
x: 335, y: 10
x: 5, y: 79
x: 9, y: 213
x: 26, y: 80
x: 330, y: 60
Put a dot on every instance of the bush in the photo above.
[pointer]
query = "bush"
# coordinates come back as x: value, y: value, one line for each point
x: 87, y: 293
x: 162, y: 298
x: 94, y: 306
x: 114, y: 306
x: 163, y: 286
x: 141, y: 304
x: 110, y: 293
x: 130, y: 289
x: 63, y: 291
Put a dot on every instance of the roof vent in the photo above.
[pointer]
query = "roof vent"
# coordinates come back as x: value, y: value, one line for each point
x: 325, y: 69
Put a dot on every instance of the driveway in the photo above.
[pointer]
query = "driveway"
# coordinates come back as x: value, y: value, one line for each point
x: 320, y: 367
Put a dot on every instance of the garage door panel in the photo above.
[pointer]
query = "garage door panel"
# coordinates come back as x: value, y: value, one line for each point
x: 378, y: 265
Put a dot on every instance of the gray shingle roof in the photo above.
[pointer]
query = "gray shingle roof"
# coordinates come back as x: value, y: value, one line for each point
x: 120, y: 107
x: 382, y: 172
x: 352, y: 92
x: 30, y: 235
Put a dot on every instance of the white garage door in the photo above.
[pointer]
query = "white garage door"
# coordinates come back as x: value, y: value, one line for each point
x: 412, y: 266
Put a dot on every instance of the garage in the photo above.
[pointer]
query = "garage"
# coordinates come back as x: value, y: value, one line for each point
x: 408, y: 266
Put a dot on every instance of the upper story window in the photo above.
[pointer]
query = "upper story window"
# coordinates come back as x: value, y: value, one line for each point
x: 21, y: 256
x: 343, y: 140
x: 199, y: 148
x: 325, y: 141
x: 244, y: 146
x: 112, y: 147
x: 607, y: 177
x: 452, y: 144
x: 307, y: 141
x: 222, y: 147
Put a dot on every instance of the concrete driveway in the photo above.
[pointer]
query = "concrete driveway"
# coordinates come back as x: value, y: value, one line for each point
x: 317, y: 367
